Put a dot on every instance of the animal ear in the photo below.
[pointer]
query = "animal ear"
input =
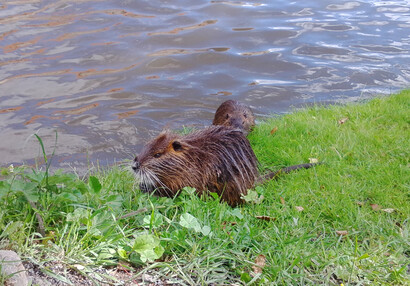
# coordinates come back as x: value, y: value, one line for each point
x: 177, y: 146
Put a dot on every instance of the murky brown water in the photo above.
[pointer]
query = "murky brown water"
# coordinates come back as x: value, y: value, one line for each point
x: 108, y: 75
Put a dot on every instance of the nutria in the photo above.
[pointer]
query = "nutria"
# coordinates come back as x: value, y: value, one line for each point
x: 217, y: 159
x: 235, y: 114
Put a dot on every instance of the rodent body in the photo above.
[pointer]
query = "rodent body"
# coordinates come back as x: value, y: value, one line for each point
x: 234, y: 114
x: 217, y: 159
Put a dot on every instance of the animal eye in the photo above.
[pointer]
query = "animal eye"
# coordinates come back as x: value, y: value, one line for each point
x: 157, y: 155
x: 244, y: 115
x: 227, y: 116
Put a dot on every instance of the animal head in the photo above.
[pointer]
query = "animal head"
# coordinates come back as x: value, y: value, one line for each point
x: 159, y: 160
x: 235, y: 114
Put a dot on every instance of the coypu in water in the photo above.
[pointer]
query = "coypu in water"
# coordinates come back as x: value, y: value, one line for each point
x: 235, y: 114
x: 217, y: 159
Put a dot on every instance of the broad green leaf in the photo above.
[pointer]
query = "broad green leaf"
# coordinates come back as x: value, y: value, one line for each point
x: 157, y: 222
x: 145, y: 242
x: 4, y: 188
x: 77, y: 215
x: 122, y: 253
x: 69, y: 196
x: 189, y: 190
x: 159, y: 250
x: 245, y: 277
x: 252, y: 197
x: 237, y: 213
x: 29, y: 189
x: 152, y: 254
x: 206, y: 230
x: 35, y: 176
x: 114, y: 201
x: 106, y: 254
x: 21, y: 186
x: 94, y: 184
x: 148, y: 247
x: 81, y: 186
x: 148, y: 255
x: 189, y: 221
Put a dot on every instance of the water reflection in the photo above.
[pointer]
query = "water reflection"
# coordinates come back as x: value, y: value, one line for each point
x: 108, y: 75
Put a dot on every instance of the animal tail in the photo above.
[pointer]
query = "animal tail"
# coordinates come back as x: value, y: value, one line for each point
x: 286, y: 170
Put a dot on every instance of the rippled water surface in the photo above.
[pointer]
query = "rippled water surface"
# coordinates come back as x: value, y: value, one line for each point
x: 109, y: 75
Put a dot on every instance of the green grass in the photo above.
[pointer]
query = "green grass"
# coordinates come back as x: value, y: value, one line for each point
x: 353, y: 228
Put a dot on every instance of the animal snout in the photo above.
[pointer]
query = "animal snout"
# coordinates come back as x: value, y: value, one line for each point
x: 236, y: 123
x: 135, y: 165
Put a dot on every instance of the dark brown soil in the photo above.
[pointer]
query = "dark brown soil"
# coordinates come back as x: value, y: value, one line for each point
x: 100, y: 276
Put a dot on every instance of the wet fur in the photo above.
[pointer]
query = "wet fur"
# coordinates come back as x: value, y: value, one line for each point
x: 232, y: 113
x: 217, y: 159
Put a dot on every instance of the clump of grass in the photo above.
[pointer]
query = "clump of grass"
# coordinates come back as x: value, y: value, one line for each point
x: 345, y: 221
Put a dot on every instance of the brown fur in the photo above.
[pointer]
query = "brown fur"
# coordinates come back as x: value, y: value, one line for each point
x: 235, y: 114
x: 217, y: 159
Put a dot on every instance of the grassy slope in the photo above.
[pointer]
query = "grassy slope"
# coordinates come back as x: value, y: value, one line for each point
x: 366, y: 162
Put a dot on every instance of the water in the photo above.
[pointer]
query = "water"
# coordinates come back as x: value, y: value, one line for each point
x: 109, y: 75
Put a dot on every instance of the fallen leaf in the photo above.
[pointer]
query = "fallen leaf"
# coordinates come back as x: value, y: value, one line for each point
x: 11, y: 109
x: 273, y: 131
x: 266, y: 218
x: 389, y: 210
x: 342, y: 232
x: 299, y: 209
x: 229, y: 223
x: 152, y: 77
x: 36, y: 117
x: 116, y: 89
x: 313, y: 160
x: 376, y: 207
x: 44, y: 102
x: 225, y: 224
x: 124, y: 266
x: 78, y: 111
x: 260, y: 262
x: 343, y: 120
x: 126, y: 114
x: 282, y: 201
x: 79, y: 266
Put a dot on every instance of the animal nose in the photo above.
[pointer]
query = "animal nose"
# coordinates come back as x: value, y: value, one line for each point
x: 135, y: 165
x: 236, y: 123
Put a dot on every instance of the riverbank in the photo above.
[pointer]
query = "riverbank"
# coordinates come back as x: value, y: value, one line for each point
x: 345, y: 221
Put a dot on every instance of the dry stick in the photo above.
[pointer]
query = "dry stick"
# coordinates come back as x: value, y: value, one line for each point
x: 133, y: 213
x: 137, y: 212
x: 40, y: 220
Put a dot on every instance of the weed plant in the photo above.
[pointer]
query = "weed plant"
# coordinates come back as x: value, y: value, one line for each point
x: 342, y: 222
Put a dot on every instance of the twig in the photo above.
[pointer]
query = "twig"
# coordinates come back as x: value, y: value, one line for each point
x: 133, y: 213
x: 40, y: 220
